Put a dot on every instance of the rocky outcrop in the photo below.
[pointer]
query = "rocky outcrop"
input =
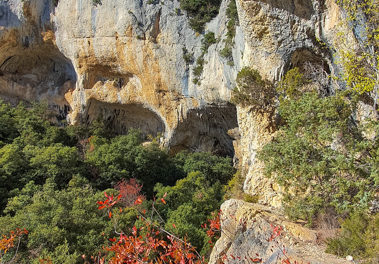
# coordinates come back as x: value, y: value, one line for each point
x: 253, y: 233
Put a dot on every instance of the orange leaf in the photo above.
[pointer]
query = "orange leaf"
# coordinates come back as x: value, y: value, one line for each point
x: 110, y: 214
x: 163, y: 201
x: 138, y: 201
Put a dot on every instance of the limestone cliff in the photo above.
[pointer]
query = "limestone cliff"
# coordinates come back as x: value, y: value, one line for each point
x: 123, y: 61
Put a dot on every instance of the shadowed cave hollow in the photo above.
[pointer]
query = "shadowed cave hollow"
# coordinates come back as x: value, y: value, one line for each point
x: 122, y: 117
x: 37, y: 75
x: 204, y: 129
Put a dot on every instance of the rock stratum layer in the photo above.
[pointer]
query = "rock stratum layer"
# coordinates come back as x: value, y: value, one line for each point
x: 123, y: 61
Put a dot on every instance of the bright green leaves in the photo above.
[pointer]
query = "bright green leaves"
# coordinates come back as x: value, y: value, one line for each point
x: 124, y: 157
x: 359, y: 75
x: 189, y: 204
x: 358, y: 237
x: 58, y: 220
x: 291, y: 84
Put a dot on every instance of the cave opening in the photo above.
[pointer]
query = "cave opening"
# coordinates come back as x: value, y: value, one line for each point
x: 38, y: 75
x: 314, y: 68
x: 206, y: 129
x: 120, y: 118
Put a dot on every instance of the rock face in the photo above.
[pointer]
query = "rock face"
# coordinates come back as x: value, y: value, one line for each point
x: 123, y: 61
x: 278, y: 36
x: 31, y: 66
x: 131, y: 53
x: 256, y: 232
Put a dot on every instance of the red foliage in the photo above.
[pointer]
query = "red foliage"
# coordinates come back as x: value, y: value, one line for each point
x: 130, y: 192
x: 145, y: 245
x: 150, y: 243
x: 213, y: 228
x: 153, y: 244
x: 7, y: 242
x: 276, y: 232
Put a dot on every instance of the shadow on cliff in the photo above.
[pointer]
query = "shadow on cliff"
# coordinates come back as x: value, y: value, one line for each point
x: 7, y: 17
x: 206, y: 129
x: 34, y: 74
x: 122, y: 117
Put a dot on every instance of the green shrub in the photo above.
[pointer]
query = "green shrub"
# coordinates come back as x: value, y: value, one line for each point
x: 227, y: 53
x: 200, y: 12
x: 358, y: 237
x: 189, y: 204
x: 198, y: 69
x: 291, y: 84
x: 321, y: 158
x: 253, y: 91
x: 187, y: 56
x: 208, y: 40
x: 234, y: 189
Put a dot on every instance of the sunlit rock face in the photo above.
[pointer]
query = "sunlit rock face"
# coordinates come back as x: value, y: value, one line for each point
x: 122, y: 61
x: 248, y: 234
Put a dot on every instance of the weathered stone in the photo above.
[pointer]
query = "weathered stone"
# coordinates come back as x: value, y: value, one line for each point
x: 248, y: 232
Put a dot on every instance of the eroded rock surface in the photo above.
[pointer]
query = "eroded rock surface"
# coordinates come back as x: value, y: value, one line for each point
x: 256, y: 232
x: 31, y: 66
x: 122, y: 61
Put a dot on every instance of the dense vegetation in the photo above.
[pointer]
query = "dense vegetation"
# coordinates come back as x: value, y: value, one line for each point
x: 322, y: 158
x: 52, y: 177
